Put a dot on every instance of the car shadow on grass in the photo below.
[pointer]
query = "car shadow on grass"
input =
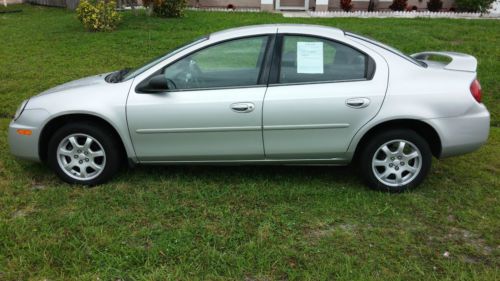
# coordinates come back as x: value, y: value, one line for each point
x: 273, y: 174
x: 317, y: 175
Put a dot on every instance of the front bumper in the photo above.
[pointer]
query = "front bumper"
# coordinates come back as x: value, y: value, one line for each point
x: 463, y: 134
x: 24, y: 146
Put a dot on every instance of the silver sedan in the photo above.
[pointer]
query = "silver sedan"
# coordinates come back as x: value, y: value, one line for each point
x: 269, y: 94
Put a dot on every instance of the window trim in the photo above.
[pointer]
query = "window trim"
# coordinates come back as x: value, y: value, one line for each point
x: 276, y: 63
x: 387, y: 48
x: 262, y: 80
x: 155, y: 61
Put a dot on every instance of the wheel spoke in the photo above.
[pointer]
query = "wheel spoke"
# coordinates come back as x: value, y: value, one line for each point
x: 65, y: 152
x: 68, y: 166
x: 401, y: 147
x: 410, y: 169
x: 399, y: 179
x: 97, y: 153
x: 412, y: 155
x: 378, y: 163
x: 95, y: 166
x: 83, y: 171
x: 87, y: 144
x: 385, y: 174
x: 386, y: 150
x: 73, y: 142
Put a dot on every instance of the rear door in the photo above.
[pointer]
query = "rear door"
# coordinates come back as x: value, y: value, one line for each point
x: 322, y: 91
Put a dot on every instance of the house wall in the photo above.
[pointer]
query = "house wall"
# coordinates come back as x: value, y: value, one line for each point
x: 422, y: 4
x: 321, y: 5
x: 291, y: 3
x: 381, y: 5
x: 270, y: 4
x: 224, y: 3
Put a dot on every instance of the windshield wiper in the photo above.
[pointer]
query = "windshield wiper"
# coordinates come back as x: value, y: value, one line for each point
x: 117, y: 76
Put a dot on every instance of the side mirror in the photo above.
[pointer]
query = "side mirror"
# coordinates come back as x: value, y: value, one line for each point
x: 155, y: 84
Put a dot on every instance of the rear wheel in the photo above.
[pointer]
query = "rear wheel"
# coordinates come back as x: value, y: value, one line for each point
x: 395, y: 161
x: 83, y: 153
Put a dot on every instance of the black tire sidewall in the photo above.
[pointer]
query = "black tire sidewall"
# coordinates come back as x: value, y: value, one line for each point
x: 107, y: 141
x: 375, y: 142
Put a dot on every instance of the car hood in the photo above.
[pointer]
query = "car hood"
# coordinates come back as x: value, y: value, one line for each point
x: 80, y: 83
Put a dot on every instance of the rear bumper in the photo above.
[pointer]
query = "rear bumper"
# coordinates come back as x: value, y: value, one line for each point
x: 24, y: 146
x: 463, y: 134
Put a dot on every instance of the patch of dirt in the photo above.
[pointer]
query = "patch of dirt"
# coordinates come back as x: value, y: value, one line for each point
x: 492, y: 168
x: 462, y: 236
x: 470, y: 238
x: 19, y: 214
x: 23, y: 212
x: 451, y: 218
x: 37, y: 187
x: 456, y: 42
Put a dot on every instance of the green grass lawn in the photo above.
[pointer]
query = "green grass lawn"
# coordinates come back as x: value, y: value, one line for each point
x: 238, y: 223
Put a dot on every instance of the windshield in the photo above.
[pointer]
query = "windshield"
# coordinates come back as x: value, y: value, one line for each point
x: 388, y: 48
x: 134, y: 72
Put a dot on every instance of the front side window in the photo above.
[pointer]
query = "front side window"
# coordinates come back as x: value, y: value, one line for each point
x: 233, y: 63
x: 310, y: 59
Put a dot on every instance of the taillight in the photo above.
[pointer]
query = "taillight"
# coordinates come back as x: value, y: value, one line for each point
x: 475, y: 90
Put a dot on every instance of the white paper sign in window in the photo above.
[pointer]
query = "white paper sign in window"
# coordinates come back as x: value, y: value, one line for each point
x: 310, y: 57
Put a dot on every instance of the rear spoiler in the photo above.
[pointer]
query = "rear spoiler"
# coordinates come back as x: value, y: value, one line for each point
x: 459, y: 61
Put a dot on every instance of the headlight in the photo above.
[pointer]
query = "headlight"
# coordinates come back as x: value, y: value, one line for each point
x: 20, y: 109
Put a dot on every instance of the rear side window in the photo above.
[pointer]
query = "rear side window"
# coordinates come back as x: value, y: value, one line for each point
x: 309, y: 59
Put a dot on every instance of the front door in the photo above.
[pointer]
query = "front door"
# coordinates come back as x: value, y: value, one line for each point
x: 212, y: 110
x: 324, y: 93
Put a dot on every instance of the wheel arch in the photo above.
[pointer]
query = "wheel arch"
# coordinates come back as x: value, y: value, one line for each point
x: 57, y: 122
x: 424, y: 129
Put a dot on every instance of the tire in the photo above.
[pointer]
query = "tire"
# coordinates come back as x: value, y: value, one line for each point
x: 380, y: 167
x: 89, y: 163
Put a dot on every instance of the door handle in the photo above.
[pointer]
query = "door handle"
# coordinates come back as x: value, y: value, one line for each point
x: 242, y: 107
x: 357, y: 102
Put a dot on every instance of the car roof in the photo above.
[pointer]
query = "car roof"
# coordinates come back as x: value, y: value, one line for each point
x: 276, y: 28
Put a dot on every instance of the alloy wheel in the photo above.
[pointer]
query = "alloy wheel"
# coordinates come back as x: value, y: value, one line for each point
x: 81, y: 156
x: 397, y: 162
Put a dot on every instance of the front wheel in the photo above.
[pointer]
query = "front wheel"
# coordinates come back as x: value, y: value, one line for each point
x: 395, y: 161
x: 83, y: 153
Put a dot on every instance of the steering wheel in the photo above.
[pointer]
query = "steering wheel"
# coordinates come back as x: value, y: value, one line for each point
x: 171, y: 83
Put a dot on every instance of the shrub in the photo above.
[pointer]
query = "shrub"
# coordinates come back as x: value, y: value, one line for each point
x: 434, y: 5
x: 398, y: 5
x: 166, y: 8
x: 98, y: 15
x: 346, y: 5
x: 473, y: 5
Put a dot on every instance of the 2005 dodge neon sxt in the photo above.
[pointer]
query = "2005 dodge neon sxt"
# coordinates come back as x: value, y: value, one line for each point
x: 272, y: 94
